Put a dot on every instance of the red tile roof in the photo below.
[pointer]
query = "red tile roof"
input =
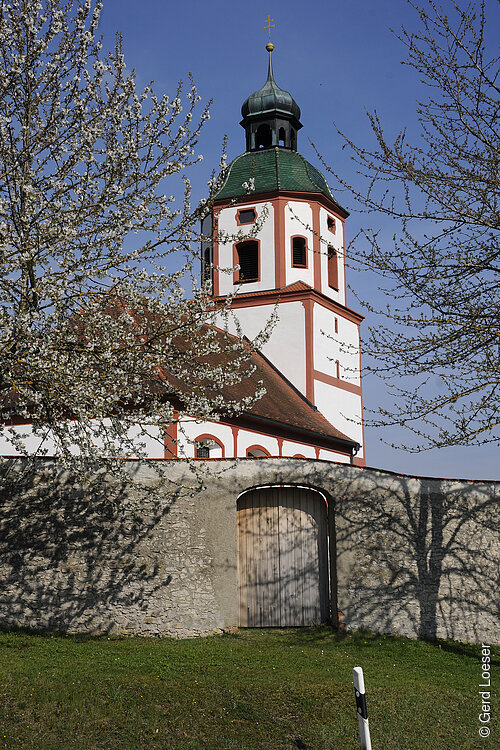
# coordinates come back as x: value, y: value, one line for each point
x: 298, y: 286
x: 282, y: 404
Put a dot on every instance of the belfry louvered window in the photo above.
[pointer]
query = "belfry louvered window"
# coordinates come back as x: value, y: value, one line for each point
x: 206, y: 266
x: 248, y: 261
x: 299, y: 247
x: 333, y: 269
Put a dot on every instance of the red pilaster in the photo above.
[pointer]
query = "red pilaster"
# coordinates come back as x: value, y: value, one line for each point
x: 309, y: 336
x: 316, y: 245
x: 170, y: 441
x: 279, y: 242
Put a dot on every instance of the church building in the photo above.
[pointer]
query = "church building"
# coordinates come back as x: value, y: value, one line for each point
x: 290, y: 252
x: 286, y: 243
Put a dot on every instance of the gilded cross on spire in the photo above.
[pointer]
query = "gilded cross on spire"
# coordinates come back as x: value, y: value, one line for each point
x: 269, y: 26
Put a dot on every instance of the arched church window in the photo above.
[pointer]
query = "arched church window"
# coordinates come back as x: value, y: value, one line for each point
x: 299, y: 252
x: 333, y: 268
x: 248, y: 261
x: 263, y: 137
x: 292, y: 140
x: 281, y: 137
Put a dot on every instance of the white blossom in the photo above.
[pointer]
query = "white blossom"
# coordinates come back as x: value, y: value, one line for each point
x: 97, y: 335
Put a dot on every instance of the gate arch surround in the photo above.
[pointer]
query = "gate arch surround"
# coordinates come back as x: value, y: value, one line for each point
x: 283, y: 556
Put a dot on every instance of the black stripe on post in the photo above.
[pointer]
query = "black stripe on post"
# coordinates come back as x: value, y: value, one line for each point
x: 361, y: 704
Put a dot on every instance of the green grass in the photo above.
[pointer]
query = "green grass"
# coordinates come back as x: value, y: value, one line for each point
x: 280, y: 690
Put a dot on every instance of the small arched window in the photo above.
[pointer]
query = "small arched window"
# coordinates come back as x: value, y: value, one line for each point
x: 248, y: 261
x: 208, y: 447
x: 292, y: 139
x: 333, y: 268
x: 202, y: 449
x: 330, y: 222
x: 257, y: 452
x: 263, y: 137
x: 299, y: 252
x: 281, y: 137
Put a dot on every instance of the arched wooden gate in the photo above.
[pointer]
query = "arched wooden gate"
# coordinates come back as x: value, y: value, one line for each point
x: 282, y: 557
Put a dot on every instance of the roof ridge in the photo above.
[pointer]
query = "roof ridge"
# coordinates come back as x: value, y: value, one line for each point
x: 294, y: 283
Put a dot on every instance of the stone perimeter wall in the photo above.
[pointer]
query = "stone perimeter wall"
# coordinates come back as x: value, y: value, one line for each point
x: 419, y: 557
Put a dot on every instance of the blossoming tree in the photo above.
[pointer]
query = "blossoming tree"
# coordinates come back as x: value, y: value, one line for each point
x: 98, y: 340
x: 438, y: 352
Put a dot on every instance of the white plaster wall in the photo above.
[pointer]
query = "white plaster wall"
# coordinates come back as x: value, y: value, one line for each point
x: 150, y: 436
x: 333, y: 456
x: 153, y: 438
x: 337, y: 241
x: 246, y: 438
x: 342, y: 408
x: 31, y: 442
x: 291, y: 448
x: 189, y: 429
x: 286, y: 347
x: 298, y: 220
x: 228, y: 224
x: 330, y: 346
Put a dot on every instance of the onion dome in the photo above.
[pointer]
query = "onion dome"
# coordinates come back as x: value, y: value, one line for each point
x: 271, y: 116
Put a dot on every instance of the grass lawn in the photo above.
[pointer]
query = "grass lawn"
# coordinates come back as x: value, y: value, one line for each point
x: 276, y: 690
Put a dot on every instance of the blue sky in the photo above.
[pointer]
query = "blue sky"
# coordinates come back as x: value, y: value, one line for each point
x: 338, y: 60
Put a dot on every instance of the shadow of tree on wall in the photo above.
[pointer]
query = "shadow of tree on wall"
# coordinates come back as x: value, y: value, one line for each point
x: 419, y: 556
x: 71, y: 559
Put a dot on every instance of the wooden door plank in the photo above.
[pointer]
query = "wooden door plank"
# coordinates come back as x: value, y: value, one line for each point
x: 241, y: 526
x: 282, y: 558
x: 273, y: 560
x: 310, y: 560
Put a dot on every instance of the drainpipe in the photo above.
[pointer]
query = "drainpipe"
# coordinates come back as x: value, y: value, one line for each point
x: 354, y: 450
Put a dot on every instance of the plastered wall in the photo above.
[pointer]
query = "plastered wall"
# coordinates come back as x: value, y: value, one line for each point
x: 418, y: 557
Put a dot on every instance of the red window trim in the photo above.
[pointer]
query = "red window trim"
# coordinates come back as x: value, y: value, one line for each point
x: 206, y: 436
x: 246, y: 223
x: 328, y: 219
x: 306, y: 249
x: 236, y: 273
x: 333, y: 268
x: 258, y: 447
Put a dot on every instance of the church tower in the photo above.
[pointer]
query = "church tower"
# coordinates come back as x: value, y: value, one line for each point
x: 287, y: 237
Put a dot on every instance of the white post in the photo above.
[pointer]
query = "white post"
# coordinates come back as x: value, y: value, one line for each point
x: 359, y: 692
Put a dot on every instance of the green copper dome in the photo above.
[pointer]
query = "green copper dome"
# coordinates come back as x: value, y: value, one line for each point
x: 271, y: 116
x: 269, y: 170
x: 270, y: 99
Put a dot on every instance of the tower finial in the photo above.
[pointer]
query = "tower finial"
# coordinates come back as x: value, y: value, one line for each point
x: 269, y: 26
